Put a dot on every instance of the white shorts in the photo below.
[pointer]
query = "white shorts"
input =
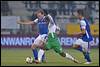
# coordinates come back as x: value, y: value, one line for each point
x: 85, y: 45
x: 42, y: 37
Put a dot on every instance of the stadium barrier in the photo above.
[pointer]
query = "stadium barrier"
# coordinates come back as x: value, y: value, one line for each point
x: 26, y: 41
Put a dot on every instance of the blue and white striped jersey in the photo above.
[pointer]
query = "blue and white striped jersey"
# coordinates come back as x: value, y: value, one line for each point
x: 84, y: 24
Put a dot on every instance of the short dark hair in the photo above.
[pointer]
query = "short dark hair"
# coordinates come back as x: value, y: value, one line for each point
x: 39, y: 11
x: 80, y: 12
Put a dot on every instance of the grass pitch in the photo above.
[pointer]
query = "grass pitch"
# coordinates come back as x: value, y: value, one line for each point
x: 16, y: 57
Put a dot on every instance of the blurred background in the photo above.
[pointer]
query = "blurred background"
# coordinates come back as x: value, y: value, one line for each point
x: 61, y: 11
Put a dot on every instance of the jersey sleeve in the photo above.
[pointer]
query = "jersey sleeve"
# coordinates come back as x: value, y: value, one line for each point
x: 51, y: 19
x: 83, y: 24
x: 35, y: 21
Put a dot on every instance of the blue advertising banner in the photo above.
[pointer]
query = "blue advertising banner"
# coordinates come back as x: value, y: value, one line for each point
x: 16, y: 40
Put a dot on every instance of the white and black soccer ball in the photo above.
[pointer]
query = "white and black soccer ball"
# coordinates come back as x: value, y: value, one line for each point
x: 29, y: 59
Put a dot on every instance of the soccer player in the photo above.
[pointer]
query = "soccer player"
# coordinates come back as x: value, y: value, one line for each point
x: 48, y: 18
x: 43, y: 31
x: 53, y: 42
x: 82, y: 44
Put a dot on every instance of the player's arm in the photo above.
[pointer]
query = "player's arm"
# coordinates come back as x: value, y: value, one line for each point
x: 24, y: 22
x: 50, y: 18
x: 27, y: 21
x: 80, y: 33
x: 83, y: 31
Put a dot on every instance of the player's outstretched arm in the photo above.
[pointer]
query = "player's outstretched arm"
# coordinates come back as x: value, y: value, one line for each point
x: 79, y: 34
x: 25, y: 22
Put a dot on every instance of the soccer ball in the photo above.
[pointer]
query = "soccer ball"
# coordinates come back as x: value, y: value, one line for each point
x: 29, y: 59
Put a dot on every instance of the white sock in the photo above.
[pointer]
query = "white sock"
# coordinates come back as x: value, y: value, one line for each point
x: 40, y: 54
x: 69, y: 56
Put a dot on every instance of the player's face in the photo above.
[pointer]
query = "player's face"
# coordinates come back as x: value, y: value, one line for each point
x: 39, y: 15
x: 78, y: 15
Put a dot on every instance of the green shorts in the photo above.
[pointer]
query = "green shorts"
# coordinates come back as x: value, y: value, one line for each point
x: 53, y: 43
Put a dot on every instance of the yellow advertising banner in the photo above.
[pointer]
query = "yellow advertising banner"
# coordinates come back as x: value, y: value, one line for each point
x: 74, y: 28
x: 94, y: 29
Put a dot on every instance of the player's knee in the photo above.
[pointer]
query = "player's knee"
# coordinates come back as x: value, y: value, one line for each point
x: 75, y: 46
x: 41, y: 47
x: 63, y: 54
x: 33, y: 46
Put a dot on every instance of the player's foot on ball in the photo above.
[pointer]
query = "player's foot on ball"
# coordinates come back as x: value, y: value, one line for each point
x: 87, y: 62
x: 37, y: 62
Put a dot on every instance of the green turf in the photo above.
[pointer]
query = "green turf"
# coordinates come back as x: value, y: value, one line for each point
x: 16, y: 57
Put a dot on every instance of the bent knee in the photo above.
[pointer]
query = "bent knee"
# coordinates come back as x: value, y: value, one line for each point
x: 63, y: 54
x: 76, y: 46
x: 33, y: 46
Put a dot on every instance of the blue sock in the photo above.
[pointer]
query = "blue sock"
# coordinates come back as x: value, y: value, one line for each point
x: 43, y: 57
x: 35, y: 54
x: 80, y: 49
x: 87, y: 57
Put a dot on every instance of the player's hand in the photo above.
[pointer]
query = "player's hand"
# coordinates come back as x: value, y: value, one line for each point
x: 77, y: 34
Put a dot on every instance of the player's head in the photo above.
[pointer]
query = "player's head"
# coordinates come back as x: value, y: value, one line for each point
x: 80, y: 13
x: 40, y: 13
x: 45, y: 12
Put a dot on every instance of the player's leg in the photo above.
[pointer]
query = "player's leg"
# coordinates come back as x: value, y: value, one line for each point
x: 47, y: 46
x: 76, y: 45
x: 83, y: 47
x: 34, y: 47
x: 55, y: 44
x: 86, y: 53
x: 42, y: 40
x: 35, y: 52
x: 44, y: 58
x: 58, y: 49
x: 87, y: 57
x: 70, y: 57
x: 41, y: 54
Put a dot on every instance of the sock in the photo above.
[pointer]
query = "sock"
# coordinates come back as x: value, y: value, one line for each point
x: 80, y: 49
x: 35, y: 54
x: 40, y: 54
x: 69, y: 56
x: 43, y: 57
x: 87, y: 57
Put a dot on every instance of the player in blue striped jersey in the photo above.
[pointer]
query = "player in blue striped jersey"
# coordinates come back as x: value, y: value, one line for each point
x: 41, y: 20
x: 82, y: 44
